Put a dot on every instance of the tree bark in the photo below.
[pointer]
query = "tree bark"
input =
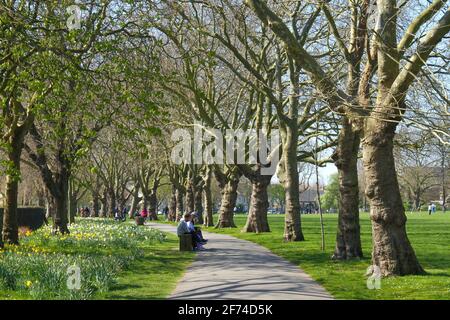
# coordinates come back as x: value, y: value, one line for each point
x: 259, y: 204
x: 228, y: 203
x: 60, y: 217
x: 179, y: 204
x: 292, y: 226
x: 207, y: 199
x: 190, y: 202
x: 112, y: 202
x: 104, y: 205
x: 348, y: 240
x: 198, y: 205
x: 173, y: 205
x: 10, y: 227
x: 153, y: 206
x: 95, y: 204
x: 134, y: 203
x: 72, y: 204
x: 392, y: 251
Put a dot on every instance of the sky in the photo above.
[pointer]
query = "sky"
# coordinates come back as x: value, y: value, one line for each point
x: 327, y: 171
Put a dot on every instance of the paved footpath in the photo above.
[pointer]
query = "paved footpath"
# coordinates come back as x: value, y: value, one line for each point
x: 232, y: 268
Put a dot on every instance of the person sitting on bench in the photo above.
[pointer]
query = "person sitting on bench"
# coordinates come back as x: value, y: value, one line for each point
x: 183, y: 228
x: 197, y: 231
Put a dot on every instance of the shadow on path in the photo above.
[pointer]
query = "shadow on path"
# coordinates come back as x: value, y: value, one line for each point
x: 232, y: 268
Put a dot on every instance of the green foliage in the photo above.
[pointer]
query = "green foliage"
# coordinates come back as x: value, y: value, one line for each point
x: 277, y: 194
x: 330, y: 199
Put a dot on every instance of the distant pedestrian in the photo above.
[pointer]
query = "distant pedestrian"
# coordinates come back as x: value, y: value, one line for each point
x: 433, y: 208
x: 430, y: 208
x: 166, y: 212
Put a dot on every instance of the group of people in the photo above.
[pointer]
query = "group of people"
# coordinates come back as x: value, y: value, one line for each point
x: 431, y: 208
x: 84, y: 212
x: 186, y: 226
x: 120, y: 215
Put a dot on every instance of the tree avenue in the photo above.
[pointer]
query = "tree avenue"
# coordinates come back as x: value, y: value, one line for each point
x: 107, y: 114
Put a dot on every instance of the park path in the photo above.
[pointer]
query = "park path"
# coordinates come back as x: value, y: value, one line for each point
x: 232, y: 268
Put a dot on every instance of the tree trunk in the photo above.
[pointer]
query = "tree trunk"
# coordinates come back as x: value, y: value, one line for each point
x: 179, y: 206
x: 104, y: 205
x: 392, y: 251
x: 72, y: 205
x: 10, y: 227
x: 226, y: 211
x: 145, y: 201
x: 348, y: 239
x: 198, y: 205
x: 153, y: 206
x: 95, y: 204
x: 208, y: 202
x: 259, y: 204
x: 112, y: 203
x: 292, y: 226
x: 190, y: 201
x: 173, y: 205
x: 60, y: 215
x: 134, y: 203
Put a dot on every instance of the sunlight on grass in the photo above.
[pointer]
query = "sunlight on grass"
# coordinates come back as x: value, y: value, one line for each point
x: 429, y: 235
x: 117, y: 260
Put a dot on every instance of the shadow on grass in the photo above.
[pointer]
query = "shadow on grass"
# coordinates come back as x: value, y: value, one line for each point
x: 154, y: 276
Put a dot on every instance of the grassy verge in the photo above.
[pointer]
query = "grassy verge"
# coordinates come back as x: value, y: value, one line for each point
x: 116, y: 261
x: 429, y: 235
x: 155, y: 275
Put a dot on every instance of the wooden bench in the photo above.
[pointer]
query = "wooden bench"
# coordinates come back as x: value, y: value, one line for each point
x: 185, y: 242
x: 139, y: 220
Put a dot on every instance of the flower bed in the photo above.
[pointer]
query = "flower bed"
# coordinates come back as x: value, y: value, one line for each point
x: 40, y: 267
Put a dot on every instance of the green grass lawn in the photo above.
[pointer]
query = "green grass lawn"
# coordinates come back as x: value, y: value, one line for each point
x: 155, y: 275
x: 116, y: 260
x: 429, y: 235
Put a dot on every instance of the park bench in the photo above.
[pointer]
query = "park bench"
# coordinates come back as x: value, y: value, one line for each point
x: 139, y: 220
x: 185, y: 242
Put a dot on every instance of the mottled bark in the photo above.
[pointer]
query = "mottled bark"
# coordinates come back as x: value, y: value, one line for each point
x: 190, y: 201
x: 392, y: 251
x: 134, y: 202
x: 226, y: 211
x: 104, y: 205
x: 207, y: 200
x: 259, y: 204
x: 292, y: 225
x: 179, y: 204
x: 348, y: 240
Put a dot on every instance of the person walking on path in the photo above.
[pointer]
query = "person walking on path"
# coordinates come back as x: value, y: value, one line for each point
x: 430, y: 208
